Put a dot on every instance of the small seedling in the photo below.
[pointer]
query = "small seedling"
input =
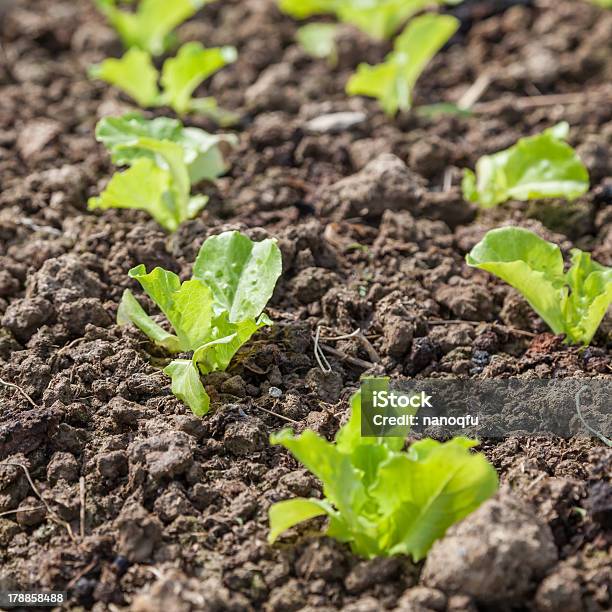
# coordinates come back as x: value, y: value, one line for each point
x: 380, y: 18
x: 380, y: 500
x: 540, y: 166
x: 301, y: 9
x: 571, y: 303
x: 165, y: 159
x: 150, y: 26
x: 319, y: 40
x: 213, y: 314
x: 377, y: 18
x: 203, y: 153
x: 136, y: 76
x: 391, y: 82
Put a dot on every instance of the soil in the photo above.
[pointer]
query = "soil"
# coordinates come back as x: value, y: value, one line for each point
x: 112, y: 490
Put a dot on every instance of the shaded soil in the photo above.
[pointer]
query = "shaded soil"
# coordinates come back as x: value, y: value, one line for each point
x: 150, y: 508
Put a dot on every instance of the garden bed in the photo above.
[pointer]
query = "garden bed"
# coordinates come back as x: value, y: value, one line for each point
x: 141, y: 505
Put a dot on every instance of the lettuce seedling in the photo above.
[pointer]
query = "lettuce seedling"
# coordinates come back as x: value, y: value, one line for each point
x: 203, y: 153
x: 380, y: 18
x: 150, y: 26
x: 163, y: 192
x: 392, y: 81
x: 571, y: 303
x: 165, y: 159
x: 380, y: 500
x: 181, y: 75
x: 136, y: 75
x: 319, y: 40
x: 213, y: 314
x: 377, y: 18
x: 540, y: 166
x: 301, y: 9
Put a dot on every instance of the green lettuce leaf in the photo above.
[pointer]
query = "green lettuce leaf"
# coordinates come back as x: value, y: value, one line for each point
x: 187, y: 385
x: 440, y: 485
x: 134, y: 74
x: 572, y: 303
x: 528, y: 263
x: 150, y: 26
x: 439, y: 488
x: 159, y: 184
x: 203, y: 153
x: 300, y: 9
x: 349, y: 438
x: 540, y: 166
x: 379, y: 18
x: 130, y: 311
x: 319, y: 40
x: 187, y: 305
x: 200, y: 322
x: 241, y: 273
x: 144, y: 186
x: 342, y: 484
x: 590, y: 295
x: 192, y: 65
x: 288, y: 513
x: 391, y: 82
x: 225, y: 340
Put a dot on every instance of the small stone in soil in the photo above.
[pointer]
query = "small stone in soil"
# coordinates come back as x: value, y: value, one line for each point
x: 31, y: 512
x: 334, y: 123
x: 504, y: 529
x: 275, y: 392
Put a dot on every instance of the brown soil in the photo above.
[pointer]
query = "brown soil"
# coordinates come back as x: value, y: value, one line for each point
x: 151, y: 508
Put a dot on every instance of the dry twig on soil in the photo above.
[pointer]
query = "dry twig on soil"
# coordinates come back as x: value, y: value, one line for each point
x: 52, y: 514
x: 18, y: 388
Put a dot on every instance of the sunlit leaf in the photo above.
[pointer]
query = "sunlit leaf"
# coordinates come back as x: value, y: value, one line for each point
x: 134, y: 74
x: 572, y: 303
x: 241, y: 273
x: 193, y: 64
x: 319, y: 40
x: 541, y: 166
x: 392, y: 82
x: 380, y: 500
x: 150, y: 25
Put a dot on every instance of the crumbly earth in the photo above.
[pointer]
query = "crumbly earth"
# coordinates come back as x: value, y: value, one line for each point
x: 137, y: 504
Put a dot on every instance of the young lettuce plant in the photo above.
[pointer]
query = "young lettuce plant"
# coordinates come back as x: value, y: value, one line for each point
x: 203, y: 153
x: 164, y: 159
x: 301, y: 9
x: 380, y: 500
x: 319, y: 40
x: 540, y: 166
x: 571, y: 303
x: 392, y: 81
x: 150, y: 26
x: 135, y: 75
x: 213, y: 314
x: 381, y: 18
x: 377, y: 18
